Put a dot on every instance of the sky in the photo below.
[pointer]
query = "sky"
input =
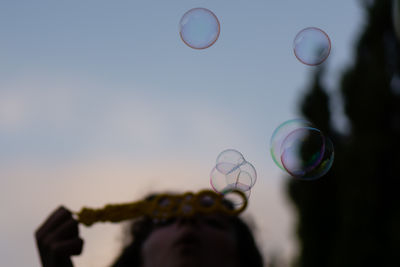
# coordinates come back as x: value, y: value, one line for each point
x: 101, y: 102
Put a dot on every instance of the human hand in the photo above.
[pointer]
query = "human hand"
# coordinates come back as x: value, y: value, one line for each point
x: 58, y: 239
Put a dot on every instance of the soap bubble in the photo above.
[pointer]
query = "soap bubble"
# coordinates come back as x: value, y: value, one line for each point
x: 199, y: 28
x: 280, y: 133
x: 247, y: 175
x: 219, y: 180
x: 302, y: 150
x: 228, y: 160
x: 325, y: 163
x: 312, y: 46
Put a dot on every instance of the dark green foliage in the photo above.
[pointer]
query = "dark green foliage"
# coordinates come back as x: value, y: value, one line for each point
x: 351, y: 216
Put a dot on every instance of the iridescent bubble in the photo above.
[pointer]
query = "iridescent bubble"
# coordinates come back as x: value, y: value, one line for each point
x: 280, y: 133
x: 324, y: 165
x: 228, y: 160
x: 199, y: 28
x: 312, y: 46
x: 302, y: 150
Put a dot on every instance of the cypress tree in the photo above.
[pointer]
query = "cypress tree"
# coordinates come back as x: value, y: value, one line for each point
x: 351, y: 216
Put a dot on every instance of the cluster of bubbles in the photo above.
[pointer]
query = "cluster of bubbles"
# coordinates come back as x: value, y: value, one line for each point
x: 312, y: 46
x: 231, y: 172
x: 301, y: 149
x: 297, y: 146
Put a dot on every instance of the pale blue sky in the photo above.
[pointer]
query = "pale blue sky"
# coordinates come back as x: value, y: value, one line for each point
x: 94, y: 87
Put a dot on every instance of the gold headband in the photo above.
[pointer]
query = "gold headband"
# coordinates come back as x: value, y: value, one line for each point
x: 163, y: 206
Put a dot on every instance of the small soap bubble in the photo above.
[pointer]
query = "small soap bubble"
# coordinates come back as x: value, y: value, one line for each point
x: 229, y: 160
x: 312, y: 46
x: 199, y: 28
x: 230, y: 156
x: 248, y: 168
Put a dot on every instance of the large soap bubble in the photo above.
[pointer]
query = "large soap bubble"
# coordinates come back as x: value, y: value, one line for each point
x: 302, y: 150
x: 280, y: 133
x: 199, y: 28
x: 312, y: 46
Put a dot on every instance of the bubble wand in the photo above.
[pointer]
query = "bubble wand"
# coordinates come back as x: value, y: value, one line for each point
x: 163, y: 206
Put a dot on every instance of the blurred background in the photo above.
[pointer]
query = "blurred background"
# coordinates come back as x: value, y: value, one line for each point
x: 101, y: 102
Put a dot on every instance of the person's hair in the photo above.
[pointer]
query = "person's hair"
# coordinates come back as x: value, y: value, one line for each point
x: 249, y: 254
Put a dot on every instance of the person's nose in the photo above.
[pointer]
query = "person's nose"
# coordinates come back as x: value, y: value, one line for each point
x: 188, y: 220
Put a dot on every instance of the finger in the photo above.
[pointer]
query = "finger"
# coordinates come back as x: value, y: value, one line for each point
x: 53, y: 221
x: 68, y: 230
x: 68, y: 247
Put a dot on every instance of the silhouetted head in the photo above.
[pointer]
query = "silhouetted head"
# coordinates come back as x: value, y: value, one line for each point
x: 214, y: 239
